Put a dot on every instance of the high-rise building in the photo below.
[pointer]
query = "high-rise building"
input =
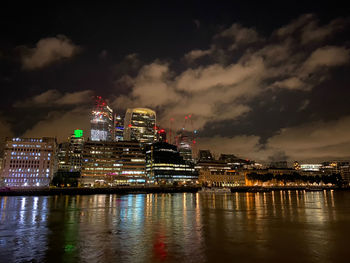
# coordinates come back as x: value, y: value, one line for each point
x: 165, y: 165
x: 118, y: 127
x: 70, y: 153
x: 29, y: 162
x: 184, y: 147
x: 108, y: 163
x: 101, y: 121
x: 140, y: 125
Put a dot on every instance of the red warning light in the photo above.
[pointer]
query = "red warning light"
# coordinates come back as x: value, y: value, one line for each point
x: 189, y: 116
x: 194, y: 142
x: 130, y: 125
x: 186, y: 117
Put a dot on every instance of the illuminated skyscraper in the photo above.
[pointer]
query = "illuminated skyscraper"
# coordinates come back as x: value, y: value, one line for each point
x: 184, y: 148
x: 101, y: 121
x: 140, y: 125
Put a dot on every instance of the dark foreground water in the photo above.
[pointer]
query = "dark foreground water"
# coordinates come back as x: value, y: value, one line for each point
x: 290, y: 226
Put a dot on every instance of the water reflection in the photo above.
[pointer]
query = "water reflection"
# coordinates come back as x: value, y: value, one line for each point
x: 277, y: 226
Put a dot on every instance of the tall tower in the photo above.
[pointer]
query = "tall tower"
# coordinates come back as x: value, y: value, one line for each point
x: 140, y: 125
x: 184, y: 147
x: 101, y: 121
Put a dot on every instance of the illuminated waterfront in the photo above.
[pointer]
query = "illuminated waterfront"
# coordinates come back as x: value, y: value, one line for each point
x: 286, y: 226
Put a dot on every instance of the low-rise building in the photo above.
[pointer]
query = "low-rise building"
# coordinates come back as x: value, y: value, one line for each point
x: 223, y: 178
x: 29, y: 162
x: 108, y: 163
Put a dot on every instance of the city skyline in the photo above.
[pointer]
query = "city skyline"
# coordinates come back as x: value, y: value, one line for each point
x: 264, y: 89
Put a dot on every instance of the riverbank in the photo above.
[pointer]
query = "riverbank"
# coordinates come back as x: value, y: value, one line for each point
x: 150, y: 190
x: 256, y: 189
x: 100, y: 190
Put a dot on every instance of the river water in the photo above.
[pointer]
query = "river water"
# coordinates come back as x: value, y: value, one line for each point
x: 285, y: 226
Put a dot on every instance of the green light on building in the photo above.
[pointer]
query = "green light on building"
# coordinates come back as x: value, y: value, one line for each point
x: 78, y: 133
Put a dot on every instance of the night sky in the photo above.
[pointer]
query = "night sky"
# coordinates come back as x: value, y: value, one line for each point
x: 265, y: 81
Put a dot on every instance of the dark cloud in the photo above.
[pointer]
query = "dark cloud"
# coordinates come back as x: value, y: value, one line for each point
x: 52, y: 98
x: 47, y: 51
x: 60, y: 124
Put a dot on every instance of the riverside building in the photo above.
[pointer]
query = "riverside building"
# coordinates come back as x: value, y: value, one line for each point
x: 112, y: 163
x: 140, y: 125
x: 216, y: 173
x: 165, y: 165
x: 29, y: 162
x: 70, y: 153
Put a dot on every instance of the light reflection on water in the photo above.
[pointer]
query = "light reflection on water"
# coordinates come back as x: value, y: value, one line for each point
x: 288, y: 226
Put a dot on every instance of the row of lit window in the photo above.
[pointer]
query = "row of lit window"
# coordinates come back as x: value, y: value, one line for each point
x: 29, y: 154
x: 25, y: 180
x: 24, y: 160
x: 31, y: 146
x: 28, y: 170
x: 26, y: 175
x: 26, y: 140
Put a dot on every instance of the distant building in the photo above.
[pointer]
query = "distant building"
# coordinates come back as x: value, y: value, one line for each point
x: 140, y: 125
x: 161, y: 136
x: 310, y: 167
x: 337, y: 167
x: 69, y: 153
x: 235, y: 162
x: 296, y: 165
x: 109, y: 163
x: 279, y: 164
x: 118, y: 128
x: 101, y: 121
x: 345, y: 173
x: 184, y: 148
x: 205, y: 155
x: 29, y: 162
x: 165, y: 165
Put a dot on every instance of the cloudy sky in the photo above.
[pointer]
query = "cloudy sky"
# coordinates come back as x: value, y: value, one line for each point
x: 265, y: 81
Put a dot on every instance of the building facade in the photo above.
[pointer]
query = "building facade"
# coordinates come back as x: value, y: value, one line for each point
x: 118, y: 127
x: 101, y: 121
x: 29, y: 162
x: 107, y: 163
x: 165, y: 165
x: 184, y: 147
x: 221, y: 178
x: 140, y: 125
x: 69, y: 153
